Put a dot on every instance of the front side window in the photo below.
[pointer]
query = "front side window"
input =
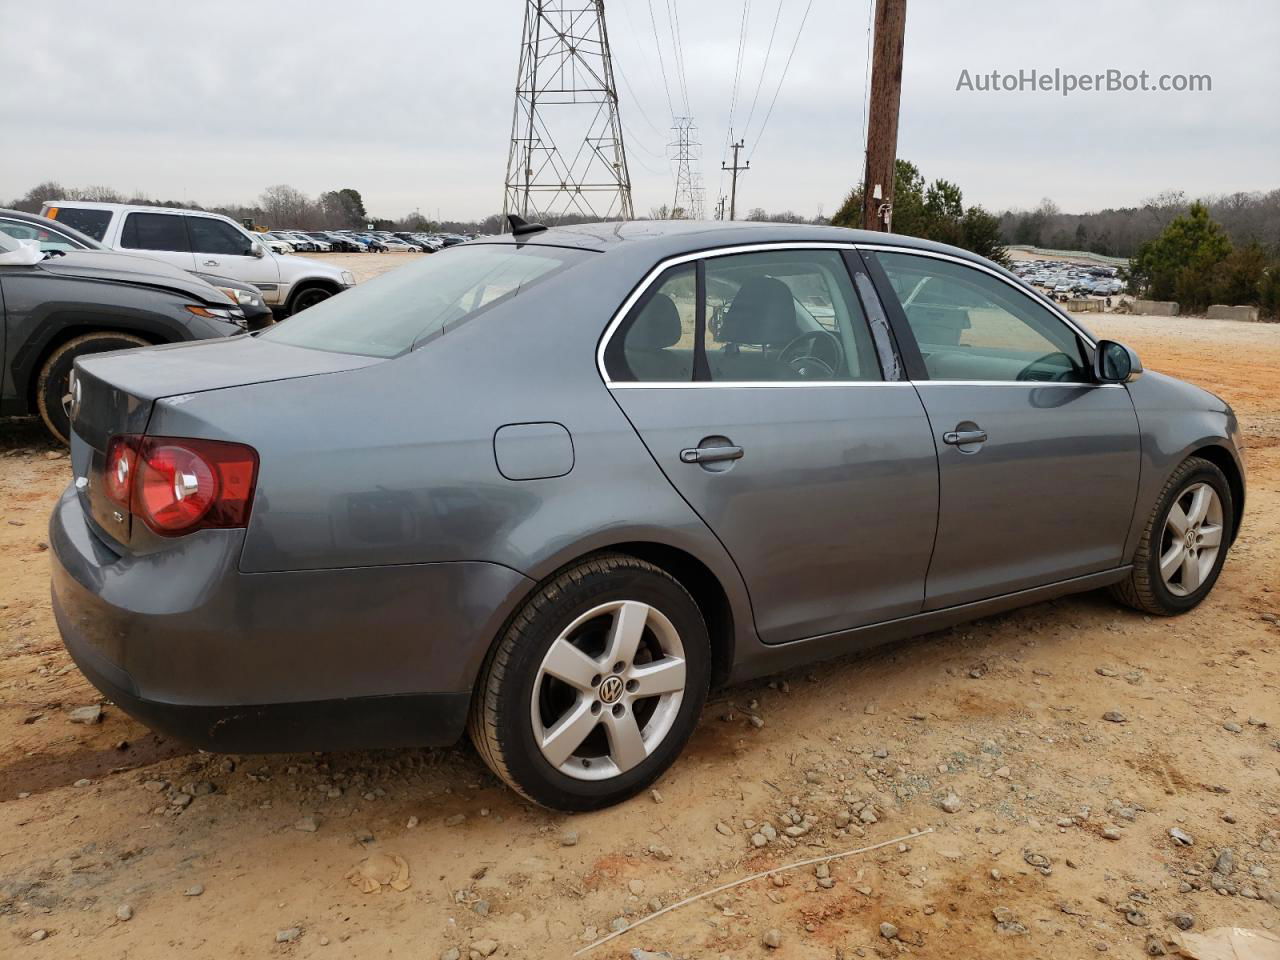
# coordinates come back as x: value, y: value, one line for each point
x: 972, y: 326
x: 408, y: 307
x: 785, y: 315
x: 215, y: 236
x: 155, y: 231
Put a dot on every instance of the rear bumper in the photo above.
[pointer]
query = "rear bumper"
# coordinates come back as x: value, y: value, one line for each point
x: 312, y: 660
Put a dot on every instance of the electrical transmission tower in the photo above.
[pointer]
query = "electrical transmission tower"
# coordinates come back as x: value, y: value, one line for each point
x: 565, y: 94
x: 686, y: 150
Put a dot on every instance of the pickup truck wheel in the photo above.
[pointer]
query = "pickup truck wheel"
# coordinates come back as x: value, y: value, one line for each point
x: 308, y: 297
x: 52, y: 399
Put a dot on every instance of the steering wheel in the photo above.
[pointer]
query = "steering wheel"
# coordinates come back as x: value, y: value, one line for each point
x: 1048, y: 364
x: 801, y: 354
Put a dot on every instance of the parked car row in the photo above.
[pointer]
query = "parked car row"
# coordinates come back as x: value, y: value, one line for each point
x: 198, y: 240
x: 1061, y: 280
x: 95, y: 277
x: 361, y: 241
x: 64, y: 296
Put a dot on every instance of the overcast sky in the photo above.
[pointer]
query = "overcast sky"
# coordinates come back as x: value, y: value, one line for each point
x: 410, y: 102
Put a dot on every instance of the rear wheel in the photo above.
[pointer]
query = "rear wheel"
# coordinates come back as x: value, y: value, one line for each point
x: 53, y: 401
x: 1184, y: 543
x: 595, y: 687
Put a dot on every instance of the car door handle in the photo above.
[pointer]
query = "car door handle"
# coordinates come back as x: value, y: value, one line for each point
x: 957, y: 438
x: 210, y: 263
x: 710, y: 454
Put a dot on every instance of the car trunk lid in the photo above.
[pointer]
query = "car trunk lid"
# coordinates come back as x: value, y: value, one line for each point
x: 114, y: 393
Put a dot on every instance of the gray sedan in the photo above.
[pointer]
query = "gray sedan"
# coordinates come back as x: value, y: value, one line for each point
x: 553, y: 487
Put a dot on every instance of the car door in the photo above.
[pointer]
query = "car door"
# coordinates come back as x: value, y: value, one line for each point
x: 221, y: 248
x: 160, y: 236
x: 761, y: 391
x: 1038, y: 463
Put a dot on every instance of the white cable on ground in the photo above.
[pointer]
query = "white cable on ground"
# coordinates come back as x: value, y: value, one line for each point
x: 754, y: 876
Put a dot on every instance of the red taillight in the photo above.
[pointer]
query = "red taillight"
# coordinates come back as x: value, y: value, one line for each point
x: 122, y: 459
x: 177, y: 485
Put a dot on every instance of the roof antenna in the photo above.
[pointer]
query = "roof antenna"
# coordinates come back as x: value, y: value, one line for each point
x: 520, y: 227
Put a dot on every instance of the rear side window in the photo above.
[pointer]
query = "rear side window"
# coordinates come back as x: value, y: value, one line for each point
x: 655, y: 342
x: 412, y: 305
x: 155, y: 231
x: 92, y: 222
x: 215, y: 236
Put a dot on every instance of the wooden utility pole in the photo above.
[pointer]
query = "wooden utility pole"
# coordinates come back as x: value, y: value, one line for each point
x: 882, y: 127
x: 733, y: 189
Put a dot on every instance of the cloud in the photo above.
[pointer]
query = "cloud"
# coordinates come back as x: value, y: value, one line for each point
x: 411, y: 103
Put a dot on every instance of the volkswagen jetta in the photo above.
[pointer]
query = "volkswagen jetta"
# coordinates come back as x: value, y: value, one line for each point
x: 552, y: 487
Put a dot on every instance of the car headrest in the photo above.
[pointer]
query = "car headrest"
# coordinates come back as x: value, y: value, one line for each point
x: 657, y: 325
x: 762, y: 312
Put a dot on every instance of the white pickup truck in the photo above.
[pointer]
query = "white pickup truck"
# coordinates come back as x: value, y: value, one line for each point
x: 206, y: 242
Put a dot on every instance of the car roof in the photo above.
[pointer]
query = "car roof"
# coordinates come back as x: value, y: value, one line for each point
x: 131, y: 207
x: 668, y: 238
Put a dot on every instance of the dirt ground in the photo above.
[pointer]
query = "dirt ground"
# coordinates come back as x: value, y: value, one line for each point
x: 114, y: 843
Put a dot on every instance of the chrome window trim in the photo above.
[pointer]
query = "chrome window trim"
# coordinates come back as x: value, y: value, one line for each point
x: 675, y: 261
x: 749, y: 384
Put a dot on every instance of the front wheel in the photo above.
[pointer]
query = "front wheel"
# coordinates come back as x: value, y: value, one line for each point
x: 53, y: 400
x: 308, y: 297
x: 595, y: 687
x: 1184, y: 543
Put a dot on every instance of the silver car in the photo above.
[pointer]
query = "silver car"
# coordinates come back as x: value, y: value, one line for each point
x: 553, y: 487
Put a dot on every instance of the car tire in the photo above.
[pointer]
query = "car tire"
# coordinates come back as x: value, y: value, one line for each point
x: 1174, y: 571
x: 55, y: 373
x: 613, y: 727
x: 308, y: 296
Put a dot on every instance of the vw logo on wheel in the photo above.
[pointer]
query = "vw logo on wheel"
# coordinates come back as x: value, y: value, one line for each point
x: 611, y: 689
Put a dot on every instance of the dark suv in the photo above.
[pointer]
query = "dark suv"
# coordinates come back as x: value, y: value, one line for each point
x: 58, y: 305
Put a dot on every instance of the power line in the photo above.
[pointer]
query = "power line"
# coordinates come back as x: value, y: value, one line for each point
x: 673, y: 21
x: 763, y: 69
x: 737, y: 72
x: 867, y: 78
x: 653, y: 21
x: 781, y: 79
x: 636, y: 101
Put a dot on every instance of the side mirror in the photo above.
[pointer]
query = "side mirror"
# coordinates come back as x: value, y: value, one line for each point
x: 257, y: 250
x: 1115, y: 363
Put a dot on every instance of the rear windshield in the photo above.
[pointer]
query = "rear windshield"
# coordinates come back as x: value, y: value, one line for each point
x: 410, y: 305
x: 92, y: 222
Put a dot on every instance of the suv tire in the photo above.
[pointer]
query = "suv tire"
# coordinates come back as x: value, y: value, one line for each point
x: 54, y: 376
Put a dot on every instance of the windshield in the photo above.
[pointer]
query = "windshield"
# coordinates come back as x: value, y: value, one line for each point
x: 410, y: 305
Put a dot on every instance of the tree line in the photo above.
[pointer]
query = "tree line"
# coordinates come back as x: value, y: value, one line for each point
x: 1194, y: 261
x: 1120, y: 231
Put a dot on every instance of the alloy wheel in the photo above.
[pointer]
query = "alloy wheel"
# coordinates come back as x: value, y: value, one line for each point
x: 608, y: 690
x: 1192, y: 539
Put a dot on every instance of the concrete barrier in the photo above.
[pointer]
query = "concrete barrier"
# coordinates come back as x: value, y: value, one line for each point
x: 1161, y: 308
x: 1084, y: 305
x: 1221, y: 311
